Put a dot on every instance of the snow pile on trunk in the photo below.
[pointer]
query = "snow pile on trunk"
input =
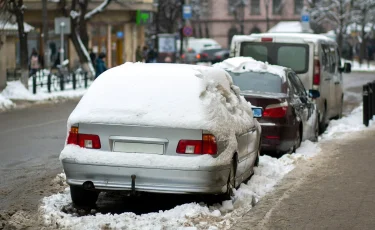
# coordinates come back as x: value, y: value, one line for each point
x: 165, y: 95
x: 15, y: 90
x: 5, y: 103
x: 245, y: 64
x: 200, y: 216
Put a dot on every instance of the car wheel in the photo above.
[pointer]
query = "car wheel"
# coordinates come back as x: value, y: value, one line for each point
x: 80, y: 196
x: 231, y: 184
x: 322, y: 124
x: 316, y: 132
x: 297, y: 141
x: 256, y: 164
x: 339, y: 116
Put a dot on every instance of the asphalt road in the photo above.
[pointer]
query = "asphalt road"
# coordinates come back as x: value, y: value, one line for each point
x: 32, y: 138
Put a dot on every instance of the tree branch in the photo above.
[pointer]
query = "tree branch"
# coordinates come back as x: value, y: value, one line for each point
x: 98, y: 9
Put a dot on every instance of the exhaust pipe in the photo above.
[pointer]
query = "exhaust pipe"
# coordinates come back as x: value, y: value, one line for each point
x: 88, y: 185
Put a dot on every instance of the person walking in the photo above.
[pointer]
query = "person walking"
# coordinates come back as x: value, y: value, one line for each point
x: 100, y: 65
x: 151, y: 56
x: 138, y: 55
x: 34, y: 62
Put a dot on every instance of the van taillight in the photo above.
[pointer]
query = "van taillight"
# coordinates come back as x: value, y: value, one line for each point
x: 207, y: 145
x: 89, y: 141
x: 316, y: 78
x: 276, y: 112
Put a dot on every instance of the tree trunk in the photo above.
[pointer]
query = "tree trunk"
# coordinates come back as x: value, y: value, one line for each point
x: 340, y: 39
x: 83, y: 23
x: 45, y: 36
x: 23, y: 45
x: 362, y: 49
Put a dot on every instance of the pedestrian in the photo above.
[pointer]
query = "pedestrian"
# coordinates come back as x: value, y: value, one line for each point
x: 34, y: 62
x: 138, y: 55
x: 144, y: 53
x: 92, y: 57
x: 100, y: 65
x: 151, y: 56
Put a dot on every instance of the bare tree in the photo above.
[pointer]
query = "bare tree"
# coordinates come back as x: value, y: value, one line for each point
x: 77, y: 11
x: 16, y: 8
x: 336, y: 13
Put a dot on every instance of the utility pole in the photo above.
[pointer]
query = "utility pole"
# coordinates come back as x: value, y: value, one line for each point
x: 45, y: 35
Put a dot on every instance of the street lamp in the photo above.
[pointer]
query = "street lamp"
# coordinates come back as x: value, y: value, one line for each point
x: 238, y: 10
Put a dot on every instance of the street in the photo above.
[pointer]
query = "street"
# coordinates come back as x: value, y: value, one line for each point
x: 31, y: 141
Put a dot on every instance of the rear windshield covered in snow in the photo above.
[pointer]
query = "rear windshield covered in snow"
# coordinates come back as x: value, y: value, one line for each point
x: 294, y: 56
x: 258, y: 82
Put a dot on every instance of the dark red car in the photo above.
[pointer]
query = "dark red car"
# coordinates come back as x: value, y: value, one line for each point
x: 289, y: 114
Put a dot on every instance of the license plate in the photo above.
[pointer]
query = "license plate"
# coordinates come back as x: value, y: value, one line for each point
x: 130, y: 147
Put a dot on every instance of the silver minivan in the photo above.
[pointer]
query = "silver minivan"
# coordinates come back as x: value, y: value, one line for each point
x: 315, y: 58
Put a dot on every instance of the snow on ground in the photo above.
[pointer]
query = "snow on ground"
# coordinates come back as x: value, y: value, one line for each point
x: 15, y: 90
x: 199, y: 216
x: 356, y: 67
x: 5, y: 103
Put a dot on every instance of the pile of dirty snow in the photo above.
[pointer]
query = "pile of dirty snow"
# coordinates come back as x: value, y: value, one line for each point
x: 5, y: 103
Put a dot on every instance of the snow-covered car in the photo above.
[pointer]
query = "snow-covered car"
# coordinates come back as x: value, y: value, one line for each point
x: 289, y: 114
x: 164, y: 128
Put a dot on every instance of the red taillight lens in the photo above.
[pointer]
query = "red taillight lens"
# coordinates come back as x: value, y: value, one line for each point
x: 204, y: 55
x: 218, y: 57
x: 316, y: 78
x: 277, y: 112
x: 89, y: 141
x: 183, y: 56
x: 205, y: 146
x: 267, y: 39
x: 198, y: 56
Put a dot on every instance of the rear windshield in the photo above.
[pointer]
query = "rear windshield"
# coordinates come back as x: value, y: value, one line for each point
x: 257, y: 82
x: 294, y: 56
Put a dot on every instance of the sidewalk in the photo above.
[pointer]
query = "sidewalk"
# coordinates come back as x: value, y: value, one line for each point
x: 333, y: 191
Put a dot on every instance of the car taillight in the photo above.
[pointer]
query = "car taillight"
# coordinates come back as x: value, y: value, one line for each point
x: 276, y: 112
x: 267, y: 39
x: 316, y: 78
x: 183, y: 56
x: 204, y: 55
x: 198, y: 56
x: 218, y: 57
x: 205, y: 146
x: 89, y: 141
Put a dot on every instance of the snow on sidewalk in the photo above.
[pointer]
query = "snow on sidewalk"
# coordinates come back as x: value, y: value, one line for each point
x: 200, y: 216
x: 5, y: 103
x: 15, y: 90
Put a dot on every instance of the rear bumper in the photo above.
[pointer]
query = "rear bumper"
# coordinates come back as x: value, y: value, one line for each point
x: 278, y: 138
x: 116, y: 177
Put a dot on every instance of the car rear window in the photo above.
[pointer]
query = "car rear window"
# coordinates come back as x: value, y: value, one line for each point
x: 294, y: 56
x: 257, y: 82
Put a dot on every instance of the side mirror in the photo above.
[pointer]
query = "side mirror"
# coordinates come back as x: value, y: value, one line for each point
x: 347, y: 67
x: 314, y: 93
x: 257, y: 112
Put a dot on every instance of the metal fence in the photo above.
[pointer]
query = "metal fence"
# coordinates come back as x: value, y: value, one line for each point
x: 47, y: 81
x: 368, y: 102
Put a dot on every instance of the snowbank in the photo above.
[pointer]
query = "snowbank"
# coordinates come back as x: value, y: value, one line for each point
x: 287, y: 27
x: 15, y: 90
x: 5, y: 103
x: 244, y: 64
x: 200, y: 216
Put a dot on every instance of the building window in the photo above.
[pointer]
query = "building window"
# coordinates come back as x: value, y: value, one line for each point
x: 277, y: 7
x: 231, y: 6
x: 298, y: 5
x: 255, y: 7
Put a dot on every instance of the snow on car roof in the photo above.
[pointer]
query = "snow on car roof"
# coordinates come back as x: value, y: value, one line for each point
x: 244, y: 64
x: 165, y: 95
x: 303, y: 36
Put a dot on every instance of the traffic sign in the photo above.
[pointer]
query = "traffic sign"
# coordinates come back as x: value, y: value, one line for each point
x: 187, y: 12
x: 187, y: 31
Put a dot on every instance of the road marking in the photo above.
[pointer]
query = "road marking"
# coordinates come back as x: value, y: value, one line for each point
x: 32, y: 126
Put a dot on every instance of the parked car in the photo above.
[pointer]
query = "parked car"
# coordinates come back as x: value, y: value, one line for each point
x: 220, y: 56
x: 199, y: 50
x: 315, y: 58
x: 289, y: 115
x: 161, y: 128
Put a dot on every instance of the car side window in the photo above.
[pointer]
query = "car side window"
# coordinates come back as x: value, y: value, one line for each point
x: 297, y: 84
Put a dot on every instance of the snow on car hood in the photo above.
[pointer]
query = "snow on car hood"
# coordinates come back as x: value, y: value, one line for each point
x: 165, y: 95
x: 245, y: 64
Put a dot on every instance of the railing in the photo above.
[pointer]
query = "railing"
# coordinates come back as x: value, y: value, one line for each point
x: 368, y: 102
x: 60, y: 81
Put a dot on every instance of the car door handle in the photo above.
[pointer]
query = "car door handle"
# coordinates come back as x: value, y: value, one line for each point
x: 327, y: 79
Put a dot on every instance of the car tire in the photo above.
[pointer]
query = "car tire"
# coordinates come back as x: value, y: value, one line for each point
x: 231, y: 184
x: 298, y: 140
x: 316, y: 132
x: 80, y: 196
x: 322, y: 124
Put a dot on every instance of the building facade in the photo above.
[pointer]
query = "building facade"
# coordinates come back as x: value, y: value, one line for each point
x: 222, y: 18
x: 112, y: 31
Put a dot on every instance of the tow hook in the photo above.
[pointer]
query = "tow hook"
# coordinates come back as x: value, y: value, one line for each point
x: 133, y: 184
